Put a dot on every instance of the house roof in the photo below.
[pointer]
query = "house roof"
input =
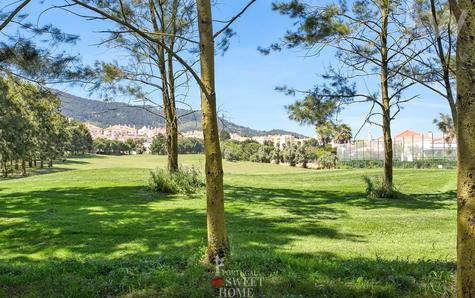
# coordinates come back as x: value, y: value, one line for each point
x: 120, y: 127
x: 407, y: 134
x: 92, y: 126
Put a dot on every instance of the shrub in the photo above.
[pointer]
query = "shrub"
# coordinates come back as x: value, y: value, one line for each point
x: 190, y: 146
x: 159, y: 145
x: 375, y: 189
x: 328, y: 160
x: 232, y: 151
x: 184, y: 181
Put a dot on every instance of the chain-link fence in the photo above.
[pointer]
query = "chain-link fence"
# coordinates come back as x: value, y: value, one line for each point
x: 411, y: 148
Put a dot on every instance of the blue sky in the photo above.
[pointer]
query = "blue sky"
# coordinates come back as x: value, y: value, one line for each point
x: 245, y: 79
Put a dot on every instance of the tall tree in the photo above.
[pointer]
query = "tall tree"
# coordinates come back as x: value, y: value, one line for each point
x: 150, y: 67
x: 217, y: 235
x: 31, y: 125
x: 17, y: 125
x: 370, y: 39
x: 435, y: 68
x: 464, y: 12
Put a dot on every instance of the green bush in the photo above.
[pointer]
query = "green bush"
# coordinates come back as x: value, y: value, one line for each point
x: 375, y: 188
x: 324, y: 150
x: 328, y: 160
x: 232, y: 150
x: 184, y: 181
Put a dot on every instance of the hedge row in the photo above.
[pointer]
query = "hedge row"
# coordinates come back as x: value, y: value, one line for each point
x: 418, y: 164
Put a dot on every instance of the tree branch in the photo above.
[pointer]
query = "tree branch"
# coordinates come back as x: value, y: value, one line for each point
x: 13, y: 14
x: 231, y: 21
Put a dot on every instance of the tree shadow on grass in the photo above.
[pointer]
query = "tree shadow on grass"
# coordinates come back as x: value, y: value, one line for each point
x: 308, y: 202
x: 111, y: 221
x: 75, y: 161
x: 325, y: 274
x: 112, y: 241
x: 88, y: 156
x: 35, y: 172
x: 281, y: 274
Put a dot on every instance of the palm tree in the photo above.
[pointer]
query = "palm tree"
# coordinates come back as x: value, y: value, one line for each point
x: 343, y: 133
x: 446, y: 125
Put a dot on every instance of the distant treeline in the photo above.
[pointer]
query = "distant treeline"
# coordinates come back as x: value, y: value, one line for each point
x: 116, y: 147
x: 32, y: 129
x: 185, y: 145
x: 298, y: 153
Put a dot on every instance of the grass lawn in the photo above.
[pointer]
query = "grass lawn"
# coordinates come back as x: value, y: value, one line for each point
x: 91, y: 228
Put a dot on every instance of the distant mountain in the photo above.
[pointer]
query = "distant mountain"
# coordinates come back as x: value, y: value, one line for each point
x: 104, y: 114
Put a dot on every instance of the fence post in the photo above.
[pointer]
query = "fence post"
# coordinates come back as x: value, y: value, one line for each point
x: 423, y: 157
x: 351, y: 157
x: 370, y: 150
x: 395, y: 149
x: 403, y: 149
x: 413, y: 155
x: 378, y: 149
x: 444, y: 154
x: 432, y: 136
x: 356, y: 149
x: 364, y: 148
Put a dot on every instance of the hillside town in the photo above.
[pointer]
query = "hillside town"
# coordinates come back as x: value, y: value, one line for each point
x: 123, y: 132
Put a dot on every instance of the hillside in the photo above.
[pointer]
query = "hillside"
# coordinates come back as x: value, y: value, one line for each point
x: 110, y: 113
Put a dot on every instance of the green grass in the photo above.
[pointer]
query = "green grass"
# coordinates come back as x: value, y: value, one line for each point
x: 91, y: 228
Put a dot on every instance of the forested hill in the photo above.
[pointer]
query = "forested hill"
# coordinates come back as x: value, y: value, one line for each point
x: 110, y: 113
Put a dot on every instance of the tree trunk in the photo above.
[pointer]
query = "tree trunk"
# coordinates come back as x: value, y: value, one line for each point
x: 466, y: 153
x: 4, y: 168
x: 172, y: 117
x: 217, y: 236
x: 443, y: 62
x: 171, y: 133
x: 41, y: 164
x: 169, y: 110
x: 23, y: 167
x: 386, y: 111
x: 50, y: 163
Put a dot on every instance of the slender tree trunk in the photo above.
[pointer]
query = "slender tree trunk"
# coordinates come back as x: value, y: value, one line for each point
x: 217, y: 236
x: 50, y: 163
x: 172, y: 117
x: 386, y: 111
x: 4, y: 168
x: 466, y: 153
x: 30, y: 163
x: 169, y: 110
x: 41, y: 164
x: 23, y: 167
x: 172, y: 137
x: 443, y: 62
